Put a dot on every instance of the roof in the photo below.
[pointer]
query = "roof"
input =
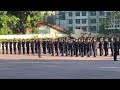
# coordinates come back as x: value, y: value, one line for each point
x: 53, y: 26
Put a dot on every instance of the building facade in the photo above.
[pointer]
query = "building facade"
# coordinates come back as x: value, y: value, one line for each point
x: 84, y: 20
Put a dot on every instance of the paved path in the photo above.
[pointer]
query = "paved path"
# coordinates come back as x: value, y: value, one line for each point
x: 49, y: 67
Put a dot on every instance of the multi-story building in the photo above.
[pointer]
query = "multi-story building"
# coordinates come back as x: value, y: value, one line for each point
x: 85, y: 20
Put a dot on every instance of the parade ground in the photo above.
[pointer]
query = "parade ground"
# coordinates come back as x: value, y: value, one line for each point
x: 57, y: 67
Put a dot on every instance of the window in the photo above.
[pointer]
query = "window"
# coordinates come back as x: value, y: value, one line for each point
x: 70, y: 28
x: 84, y: 28
x: 77, y: 27
x: 92, y: 13
x: 83, y: 21
x: 93, y: 28
x: 93, y: 21
x: 77, y: 21
x: 83, y: 13
x: 70, y: 14
x: 77, y: 13
x: 101, y: 13
x: 70, y: 21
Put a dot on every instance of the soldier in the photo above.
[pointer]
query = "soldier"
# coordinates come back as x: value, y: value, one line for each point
x: 49, y: 46
x: 52, y: 47
x: 44, y: 45
x: 94, y: 47
x: 66, y: 47
x: 106, y: 45
x: 60, y: 45
x: 6, y: 45
x: 76, y: 45
x: 35, y: 45
x: 19, y: 46
x: 28, y: 46
x: 82, y: 48
x: 71, y: 47
x: 14, y: 45
x: 63, y: 47
x: 39, y: 47
x: 112, y: 46
x: 10, y: 46
x: 88, y: 46
x: 101, y: 44
x: 115, y: 44
x: 79, y: 41
x: 3, y: 44
x: 23, y: 46
x: 32, y: 46
x: 56, y: 44
x: 85, y: 49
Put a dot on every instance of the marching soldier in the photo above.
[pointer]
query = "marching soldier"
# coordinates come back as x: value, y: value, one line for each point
x: 85, y: 47
x: 52, y: 47
x: 6, y: 45
x: 76, y: 45
x: 28, y: 46
x: 49, y: 46
x: 115, y: 44
x: 60, y: 45
x: 82, y: 48
x: 14, y: 46
x: 39, y: 47
x: 35, y: 46
x: 88, y: 46
x: 94, y: 47
x: 44, y: 45
x: 10, y: 46
x: 112, y: 46
x: 23, y: 46
x: 19, y: 46
x: 63, y: 47
x: 101, y: 43
x: 79, y: 42
x: 56, y: 44
x: 66, y: 47
x: 118, y: 45
x: 3, y: 44
x: 32, y: 46
x: 71, y: 47
x: 106, y: 45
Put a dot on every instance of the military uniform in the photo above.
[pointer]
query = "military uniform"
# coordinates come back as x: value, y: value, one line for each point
x: 118, y: 45
x: 101, y: 44
x: 76, y: 45
x: 19, y: 47
x: 32, y: 47
x: 52, y: 48
x: 6, y: 45
x: 23, y: 46
x: 10, y: 46
x: 3, y: 44
x: 62, y: 47
x: 88, y: 46
x: 14, y: 46
x: 112, y: 47
x: 71, y: 48
x: 106, y: 44
x: 56, y: 44
x: 44, y: 45
x: 66, y: 47
x: 85, y: 49
x: 82, y: 48
x: 39, y: 48
x: 94, y: 47
x: 35, y: 46
x: 79, y: 42
x: 28, y: 46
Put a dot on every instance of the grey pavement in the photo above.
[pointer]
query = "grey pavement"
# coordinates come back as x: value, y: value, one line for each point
x: 59, y: 69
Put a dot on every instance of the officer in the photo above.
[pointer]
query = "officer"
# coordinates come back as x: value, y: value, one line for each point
x: 3, y: 44
x: 23, y: 46
x: 63, y: 47
x: 32, y: 46
x: 82, y: 48
x: 112, y: 46
x: 52, y: 47
x: 66, y: 47
x: 35, y: 45
x: 101, y: 44
x: 44, y: 45
x: 6, y: 45
x: 94, y: 47
x: 39, y: 47
x: 106, y: 45
x: 10, y: 46
x: 115, y: 44
x: 79, y: 42
x: 56, y: 44
x: 76, y: 47
x: 28, y: 46
x: 88, y: 45
x: 71, y: 47
x: 19, y: 46
x: 14, y: 45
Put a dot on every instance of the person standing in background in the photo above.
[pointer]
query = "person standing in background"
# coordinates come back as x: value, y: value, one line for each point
x: 6, y: 45
x: 23, y: 46
x: 10, y: 46
x: 19, y: 46
x: 14, y: 45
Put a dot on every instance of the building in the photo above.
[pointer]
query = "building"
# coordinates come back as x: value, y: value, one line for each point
x: 89, y: 21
